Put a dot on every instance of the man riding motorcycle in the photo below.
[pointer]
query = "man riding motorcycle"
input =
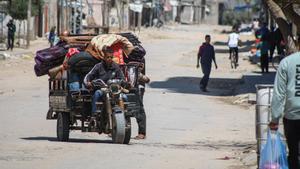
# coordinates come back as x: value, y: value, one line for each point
x: 105, y: 71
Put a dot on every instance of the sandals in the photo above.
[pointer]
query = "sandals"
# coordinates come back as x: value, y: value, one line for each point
x: 140, y: 137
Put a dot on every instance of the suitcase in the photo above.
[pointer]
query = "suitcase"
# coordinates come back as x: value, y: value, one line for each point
x: 51, y: 54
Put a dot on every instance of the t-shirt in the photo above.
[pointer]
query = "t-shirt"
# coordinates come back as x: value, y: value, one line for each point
x: 286, y: 93
x: 255, y: 24
x: 207, y: 53
x: 233, y: 40
x: 11, y: 28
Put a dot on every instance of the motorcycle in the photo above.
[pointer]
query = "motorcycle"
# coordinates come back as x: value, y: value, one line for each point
x: 72, y: 109
x: 111, y: 113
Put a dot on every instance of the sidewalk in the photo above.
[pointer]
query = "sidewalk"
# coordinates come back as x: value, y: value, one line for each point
x: 19, y: 52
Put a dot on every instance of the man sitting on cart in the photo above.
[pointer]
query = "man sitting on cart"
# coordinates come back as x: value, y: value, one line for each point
x: 105, y: 70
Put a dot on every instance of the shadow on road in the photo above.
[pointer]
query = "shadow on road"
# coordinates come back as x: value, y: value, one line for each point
x: 245, y: 43
x: 190, y: 85
x: 71, y: 140
x: 249, y: 82
x: 200, y: 145
x: 241, y: 49
x: 246, y: 46
x: 216, y: 86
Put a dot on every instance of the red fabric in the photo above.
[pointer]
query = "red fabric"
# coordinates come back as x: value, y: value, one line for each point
x: 257, y: 41
x: 71, y: 52
x: 118, y: 53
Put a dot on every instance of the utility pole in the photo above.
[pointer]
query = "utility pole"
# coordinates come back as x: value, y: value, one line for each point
x: 108, y: 3
x: 28, y: 23
x: 2, y: 27
x: 248, y: 2
x: 67, y: 16
x: 129, y: 15
x: 118, y: 6
x: 58, y: 16
x: 178, y: 17
x: 139, y: 20
x: 80, y: 25
x: 62, y: 17
x: 122, y: 14
x: 106, y: 13
x: 151, y: 13
x: 203, y: 5
x: 74, y: 17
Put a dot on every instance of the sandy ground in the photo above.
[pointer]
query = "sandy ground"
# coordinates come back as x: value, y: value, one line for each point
x: 186, y: 128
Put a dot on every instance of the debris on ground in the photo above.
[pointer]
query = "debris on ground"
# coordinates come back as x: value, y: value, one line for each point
x: 226, y: 158
x: 2, y: 46
x: 27, y: 57
x: 241, y: 99
x: 4, y: 56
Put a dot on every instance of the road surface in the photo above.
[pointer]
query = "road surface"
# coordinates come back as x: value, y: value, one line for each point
x: 186, y: 129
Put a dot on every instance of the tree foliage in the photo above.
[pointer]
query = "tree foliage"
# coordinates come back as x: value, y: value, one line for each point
x: 17, y: 9
x: 283, y: 12
x: 231, y: 17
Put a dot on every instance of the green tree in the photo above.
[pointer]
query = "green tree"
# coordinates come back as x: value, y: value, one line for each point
x: 283, y: 11
x: 17, y: 9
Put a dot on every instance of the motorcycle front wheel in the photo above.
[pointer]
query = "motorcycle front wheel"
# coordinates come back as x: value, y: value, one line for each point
x: 118, y: 127
x: 127, y: 131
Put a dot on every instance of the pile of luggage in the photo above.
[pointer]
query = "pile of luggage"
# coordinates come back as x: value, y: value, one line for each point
x: 81, y: 52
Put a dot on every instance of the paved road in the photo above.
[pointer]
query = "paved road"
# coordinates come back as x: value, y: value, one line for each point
x: 187, y: 129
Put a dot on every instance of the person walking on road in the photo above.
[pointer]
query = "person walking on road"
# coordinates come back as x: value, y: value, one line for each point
x: 206, y: 55
x: 11, y: 29
x: 275, y: 42
x: 52, y: 36
x: 286, y: 103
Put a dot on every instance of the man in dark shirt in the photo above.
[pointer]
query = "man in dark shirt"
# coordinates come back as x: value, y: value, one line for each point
x: 275, y: 42
x: 206, y: 55
x: 105, y: 71
x: 11, y: 29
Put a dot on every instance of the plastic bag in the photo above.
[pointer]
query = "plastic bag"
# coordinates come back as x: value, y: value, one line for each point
x: 273, y: 154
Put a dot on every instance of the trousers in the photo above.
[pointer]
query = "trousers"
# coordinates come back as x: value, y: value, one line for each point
x: 292, y: 134
x: 206, y: 69
x: 10, y: 41
x: 141, y: 115
x: 264, y: 63
x: 98, y: 96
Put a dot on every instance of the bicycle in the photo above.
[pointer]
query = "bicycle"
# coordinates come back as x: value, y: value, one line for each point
x: 281, y: 55
x: 276, y: 61
x: 233, y: 59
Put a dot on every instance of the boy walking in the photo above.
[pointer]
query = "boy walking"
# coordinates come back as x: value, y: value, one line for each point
x: 206, y: 55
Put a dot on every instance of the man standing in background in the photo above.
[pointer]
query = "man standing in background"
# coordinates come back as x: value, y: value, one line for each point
x: 11, y: 29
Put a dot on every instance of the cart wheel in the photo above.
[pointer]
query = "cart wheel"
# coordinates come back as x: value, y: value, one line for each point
x: 118, y: 127
x: 127, y: 131
x: 63, y: 129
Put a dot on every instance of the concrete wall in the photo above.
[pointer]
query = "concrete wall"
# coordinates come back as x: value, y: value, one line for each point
x: 213, y: 16
x: 50, y: 15
x: 97, y: 7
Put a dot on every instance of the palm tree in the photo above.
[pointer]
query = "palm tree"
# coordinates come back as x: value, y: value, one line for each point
x: 282, y: 11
